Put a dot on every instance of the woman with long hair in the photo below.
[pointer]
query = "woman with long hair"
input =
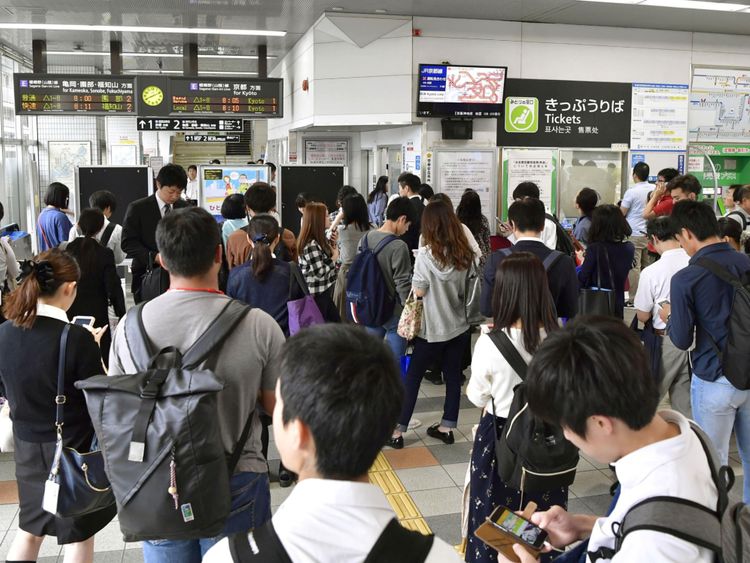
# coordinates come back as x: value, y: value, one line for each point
x: 354, y: 225
x: 99, y: 285
x: 469, y: 212
x: 440, y: 273
x: 608, y: 251
x: 524, y: 311
x: 377, y: 201
x: 29, y: 356
x: 586, y: 201
x: 53, y: 225
x: 317, y: 258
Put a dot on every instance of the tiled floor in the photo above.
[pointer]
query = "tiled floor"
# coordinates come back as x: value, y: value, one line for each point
x: 424, y: 483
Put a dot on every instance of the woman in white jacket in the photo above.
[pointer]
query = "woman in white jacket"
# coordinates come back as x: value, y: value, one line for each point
x: 524, y: 312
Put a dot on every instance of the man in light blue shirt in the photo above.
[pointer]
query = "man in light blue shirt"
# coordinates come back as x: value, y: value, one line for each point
x: 632, y: 206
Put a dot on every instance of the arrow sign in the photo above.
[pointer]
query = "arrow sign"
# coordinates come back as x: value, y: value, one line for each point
x: 189, y: 124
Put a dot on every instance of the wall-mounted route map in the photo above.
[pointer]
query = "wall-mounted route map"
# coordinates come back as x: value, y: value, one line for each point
x: 720, y: 105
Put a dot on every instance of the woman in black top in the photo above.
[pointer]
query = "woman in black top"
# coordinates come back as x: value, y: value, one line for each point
x: 99, y: 284
x: 29, y: 352
x: 608, y: 250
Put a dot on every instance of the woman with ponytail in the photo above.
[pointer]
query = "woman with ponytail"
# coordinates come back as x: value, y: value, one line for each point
x: 99, y: 285
x: 29, y: 355
x: 265, y: 281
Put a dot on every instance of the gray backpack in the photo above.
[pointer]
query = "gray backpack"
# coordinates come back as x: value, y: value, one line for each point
x: 725, y: 531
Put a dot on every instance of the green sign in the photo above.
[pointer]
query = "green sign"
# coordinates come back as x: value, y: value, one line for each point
x: 719, y: 150
x: 521, y: 115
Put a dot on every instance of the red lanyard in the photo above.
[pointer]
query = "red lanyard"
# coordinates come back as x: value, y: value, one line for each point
x: 205, y: 290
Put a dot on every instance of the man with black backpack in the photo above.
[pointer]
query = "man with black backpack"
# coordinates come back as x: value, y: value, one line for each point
x: 238, y: 364
x: 334, y: 513
x: 593, y: 379
x: 527, y: 220
x: 710, y: 305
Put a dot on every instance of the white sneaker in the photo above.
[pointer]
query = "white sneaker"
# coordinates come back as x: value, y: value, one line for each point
x: 414, y: 423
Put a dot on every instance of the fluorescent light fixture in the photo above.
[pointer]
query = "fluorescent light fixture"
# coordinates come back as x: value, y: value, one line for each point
x: 200, y: 72
x: 147, y: 71
x: 140, y: 29
x: 684, y: 4
x: 156, y: 55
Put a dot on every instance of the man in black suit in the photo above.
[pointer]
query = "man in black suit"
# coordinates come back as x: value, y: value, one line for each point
x: 141, y: 218
x: 408, y: 186
x: 527, y: 217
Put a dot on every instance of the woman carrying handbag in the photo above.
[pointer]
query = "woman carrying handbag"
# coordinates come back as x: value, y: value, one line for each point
x: 30, y: 362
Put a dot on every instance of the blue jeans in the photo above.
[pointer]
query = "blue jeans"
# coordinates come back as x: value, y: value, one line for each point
x: 719, y: 407
x: 424, y: 354
x: 396, y: 343
x: 251, y: 508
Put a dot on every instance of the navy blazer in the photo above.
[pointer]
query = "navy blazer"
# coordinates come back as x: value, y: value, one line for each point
x: 563, y: 284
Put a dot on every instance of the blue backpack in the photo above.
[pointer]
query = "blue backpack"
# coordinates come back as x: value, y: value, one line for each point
x: 369, y: 301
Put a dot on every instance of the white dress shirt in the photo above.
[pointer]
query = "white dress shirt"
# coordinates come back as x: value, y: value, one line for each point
x: 491, y: 374
x: 191, y: 190
x: 162, y: 204
x: 676, y: 467
x: 44, y: 310
x: 114, y: 243
x: 653, y: 287
x: 327, y: 521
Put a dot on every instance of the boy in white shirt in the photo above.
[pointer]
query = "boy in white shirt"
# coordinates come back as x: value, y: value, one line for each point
x: 593, y: 379
x: 337, y: 402
x: 653, y: 291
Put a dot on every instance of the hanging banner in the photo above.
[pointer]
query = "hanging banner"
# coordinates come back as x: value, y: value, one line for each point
x: 564, y: 113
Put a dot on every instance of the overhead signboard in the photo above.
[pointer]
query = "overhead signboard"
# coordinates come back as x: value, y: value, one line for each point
x: 659, y: 117
x: 188, y: 124
x: 720, y: 105
x: 212, y: 138
x: 565, y: 113
x: 56, y: 94
x: 255, y: 97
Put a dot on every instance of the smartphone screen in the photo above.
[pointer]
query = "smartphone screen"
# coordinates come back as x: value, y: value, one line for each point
x: 83, y: 321
x: 525, y: 531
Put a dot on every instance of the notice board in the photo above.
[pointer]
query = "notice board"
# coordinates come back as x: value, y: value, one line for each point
x: 320, y: 182
x: 534, y: 165
x: 128, y: 183
x: 458, y: 169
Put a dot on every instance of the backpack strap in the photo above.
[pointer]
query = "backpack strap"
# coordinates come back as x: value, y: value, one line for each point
x: 509, y: 352
x: 743, y: 219
x: 383, y: 243
x: 213, y: 337
x: 551, y: 259
x: 721, y: 272
x: 262, y: 544
x: 139, y: 346
x: 398, y: 545
x: 107, y: 234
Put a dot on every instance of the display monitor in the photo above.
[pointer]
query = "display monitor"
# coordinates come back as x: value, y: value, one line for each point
x: 217, y: 182
x: 461, y: 91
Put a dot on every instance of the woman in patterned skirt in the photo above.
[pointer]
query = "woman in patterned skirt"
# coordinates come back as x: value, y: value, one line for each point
x: 524, y: 311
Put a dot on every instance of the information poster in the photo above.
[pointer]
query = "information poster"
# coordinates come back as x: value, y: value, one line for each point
x: 476, y: 169
x: 217, y: 182
x: 324, y: 151
x: 659, y: 119
x: 65, y: 157
x: 720, y: 105
x: 538, y: 166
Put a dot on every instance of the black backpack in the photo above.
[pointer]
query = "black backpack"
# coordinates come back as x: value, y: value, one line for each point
x: 564, y: 241
x: 395, y: 545
x: 743, y: 219
x: 532, y: 455
x: 735, y: 358
x: 158, y: 429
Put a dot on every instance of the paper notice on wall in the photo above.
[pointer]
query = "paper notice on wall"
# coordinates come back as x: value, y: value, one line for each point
x: 531, y: 166
x: 695, y: 163
x: 458, y: 170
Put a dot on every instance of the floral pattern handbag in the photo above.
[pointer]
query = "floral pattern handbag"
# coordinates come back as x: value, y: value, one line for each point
x: 410, y: 322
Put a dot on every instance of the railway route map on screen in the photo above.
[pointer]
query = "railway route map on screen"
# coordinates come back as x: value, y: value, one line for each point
x: 720, y: 105
x: 462, y: 84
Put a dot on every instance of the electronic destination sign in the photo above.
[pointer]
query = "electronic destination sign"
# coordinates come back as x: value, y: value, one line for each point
x: 91, y: 94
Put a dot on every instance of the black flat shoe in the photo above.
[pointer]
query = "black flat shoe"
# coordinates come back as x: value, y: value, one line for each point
x: 446, y: 437
x: 436, y: 378
x: 286, y: 477
x: 396, y: 443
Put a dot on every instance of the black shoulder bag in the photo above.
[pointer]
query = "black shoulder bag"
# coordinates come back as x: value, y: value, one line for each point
x: 77, y: 479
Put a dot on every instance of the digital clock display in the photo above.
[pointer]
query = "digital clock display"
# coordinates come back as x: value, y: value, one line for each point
x: 74, y: 94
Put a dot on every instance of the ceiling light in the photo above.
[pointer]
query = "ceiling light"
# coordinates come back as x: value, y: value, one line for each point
x: 139, y: 29
x: 147, y: 71
x: 685, y: 4
x: 79, y: 53
x: 337, y: 9
x: 200, y: 72
x: 156, y: 55
x: 381, y: 11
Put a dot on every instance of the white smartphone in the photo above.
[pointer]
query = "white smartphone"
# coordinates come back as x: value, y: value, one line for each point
x: 83, y: 320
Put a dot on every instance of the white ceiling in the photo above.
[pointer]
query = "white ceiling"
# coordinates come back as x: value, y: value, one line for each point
x: 296, y: 16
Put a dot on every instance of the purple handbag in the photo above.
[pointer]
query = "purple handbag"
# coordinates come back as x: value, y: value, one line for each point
x: 303, y: 312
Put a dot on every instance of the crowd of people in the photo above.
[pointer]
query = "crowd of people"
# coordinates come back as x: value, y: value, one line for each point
x: 335, y: 394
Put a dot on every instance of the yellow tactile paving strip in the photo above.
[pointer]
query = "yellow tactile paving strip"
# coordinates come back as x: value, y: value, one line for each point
x: 383, y: 475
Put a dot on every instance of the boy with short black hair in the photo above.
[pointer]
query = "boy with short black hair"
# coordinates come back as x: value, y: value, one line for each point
x: 548, y: 234
x: 593, y: 379
x: 338, y: 400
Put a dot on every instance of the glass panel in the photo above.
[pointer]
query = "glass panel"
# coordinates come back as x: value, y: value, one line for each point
x: 599, y: 170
